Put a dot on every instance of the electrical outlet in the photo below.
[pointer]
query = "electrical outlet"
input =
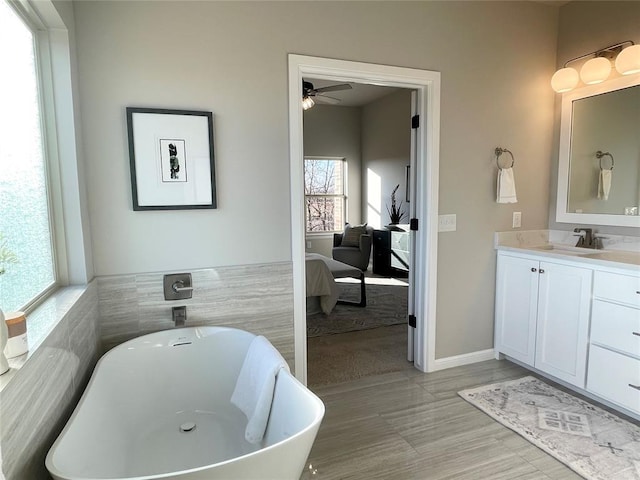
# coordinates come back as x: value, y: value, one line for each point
x: 517, y: 220
x: 447, y: 223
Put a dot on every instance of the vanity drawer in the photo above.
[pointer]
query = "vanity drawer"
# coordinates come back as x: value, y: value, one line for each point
x: 616, y: 326
x: 613, y: 376
x: 616, y: 287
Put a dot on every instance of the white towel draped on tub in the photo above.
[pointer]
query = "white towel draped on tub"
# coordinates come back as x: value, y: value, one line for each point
x: 256, y: 382
x: 506, y: 186
x: 604, y: 184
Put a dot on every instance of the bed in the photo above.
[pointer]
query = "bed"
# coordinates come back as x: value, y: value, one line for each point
x: 321, y: 289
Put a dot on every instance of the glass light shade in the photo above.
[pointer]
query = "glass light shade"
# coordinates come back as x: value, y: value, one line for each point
x: 596, y: 70
x: 628, y: 61
x: 564, y: 80
x: 307, y: 103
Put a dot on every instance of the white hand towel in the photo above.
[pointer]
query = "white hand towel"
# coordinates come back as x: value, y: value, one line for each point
x: 604, y: 184
x: 256, y: 382
x: 506, y: 186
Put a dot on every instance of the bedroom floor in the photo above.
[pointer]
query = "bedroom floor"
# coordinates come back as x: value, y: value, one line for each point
x: 410, y: 425
x: 341, y: 357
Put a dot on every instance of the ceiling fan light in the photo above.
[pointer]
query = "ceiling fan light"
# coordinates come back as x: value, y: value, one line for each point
x: 307, y: 103
x: 628, y: 61
x: 596, y: 70
x: 564, y: 80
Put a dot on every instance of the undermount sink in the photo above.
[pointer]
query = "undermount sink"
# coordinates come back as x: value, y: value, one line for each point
x: 617, y: 256
x: 566, y: 249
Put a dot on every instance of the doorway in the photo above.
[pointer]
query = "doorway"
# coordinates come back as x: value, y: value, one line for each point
x: 425, y: 138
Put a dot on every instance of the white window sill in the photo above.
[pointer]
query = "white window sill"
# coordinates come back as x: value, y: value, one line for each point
x: 41, y: 322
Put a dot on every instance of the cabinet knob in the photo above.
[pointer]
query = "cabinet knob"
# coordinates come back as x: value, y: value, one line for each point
x: 541, y: 270
x: 534, y: 269
x: 637, y: 334
x: 634, y: 386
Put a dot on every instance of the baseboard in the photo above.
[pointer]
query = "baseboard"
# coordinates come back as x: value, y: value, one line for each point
x: 464, y: 359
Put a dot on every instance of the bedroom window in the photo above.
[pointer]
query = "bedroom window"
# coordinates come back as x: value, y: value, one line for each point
x: 27, y: 268
x: 325, y: 193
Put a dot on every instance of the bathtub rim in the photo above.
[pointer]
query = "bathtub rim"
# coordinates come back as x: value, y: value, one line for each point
x: 319, y: 413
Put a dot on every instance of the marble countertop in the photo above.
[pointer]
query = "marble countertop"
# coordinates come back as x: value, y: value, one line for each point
x: 618, y: 251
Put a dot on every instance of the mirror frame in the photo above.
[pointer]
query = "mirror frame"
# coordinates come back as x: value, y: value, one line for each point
x: 562, y: 199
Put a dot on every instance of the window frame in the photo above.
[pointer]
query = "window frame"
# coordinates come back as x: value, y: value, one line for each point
x: 344, y: 195
x: 46, y: 93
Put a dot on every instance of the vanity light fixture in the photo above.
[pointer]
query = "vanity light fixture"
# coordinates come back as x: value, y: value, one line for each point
x: 598, y: 68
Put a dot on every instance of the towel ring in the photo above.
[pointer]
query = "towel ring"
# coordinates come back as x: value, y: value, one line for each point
x: 500, y: 151
x: 600, y: 154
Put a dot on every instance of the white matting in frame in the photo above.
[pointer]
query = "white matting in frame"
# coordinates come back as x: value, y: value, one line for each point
x: 171, y: 159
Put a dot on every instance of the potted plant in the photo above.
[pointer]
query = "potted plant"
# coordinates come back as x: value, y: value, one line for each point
x: 395, y: 212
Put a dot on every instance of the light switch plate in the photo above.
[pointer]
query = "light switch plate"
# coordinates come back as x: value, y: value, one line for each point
x: 447, y: 223
x: 517, y: 220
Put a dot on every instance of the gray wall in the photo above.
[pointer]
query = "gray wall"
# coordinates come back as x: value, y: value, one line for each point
x: 335, y: 132
x: 496, y: 59
x: 386, y: 151
x: 586, y: 27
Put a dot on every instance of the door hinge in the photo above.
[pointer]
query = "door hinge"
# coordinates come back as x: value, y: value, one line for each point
x: 412, y: 321
x: 415, y: 121
x: 413, y: 224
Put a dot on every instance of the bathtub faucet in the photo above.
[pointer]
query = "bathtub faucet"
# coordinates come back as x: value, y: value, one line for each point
x: 179, y: 315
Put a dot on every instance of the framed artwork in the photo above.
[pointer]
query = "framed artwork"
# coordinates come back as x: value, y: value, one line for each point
x: 171, y: 159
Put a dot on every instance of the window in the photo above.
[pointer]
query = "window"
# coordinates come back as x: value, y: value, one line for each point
x: 325, y: 194
x: 26, y: 247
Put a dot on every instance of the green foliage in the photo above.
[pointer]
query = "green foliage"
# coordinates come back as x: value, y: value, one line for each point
x: 395, y: 212
x: 6, y: 255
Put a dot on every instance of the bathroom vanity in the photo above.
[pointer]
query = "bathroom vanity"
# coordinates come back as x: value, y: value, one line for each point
x: 573, y: 315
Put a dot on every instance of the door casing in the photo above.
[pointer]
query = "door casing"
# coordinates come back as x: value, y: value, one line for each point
x: 427, y: 86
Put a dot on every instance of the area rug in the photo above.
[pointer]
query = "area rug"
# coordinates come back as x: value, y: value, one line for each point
x: 386, y: 305
x: 341, y: 358
x: 591, y: 441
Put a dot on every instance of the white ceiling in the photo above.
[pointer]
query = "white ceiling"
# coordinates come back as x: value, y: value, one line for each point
x: 361, y: 94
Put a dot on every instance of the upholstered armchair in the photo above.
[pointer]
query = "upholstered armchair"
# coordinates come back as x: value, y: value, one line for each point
x: 353, y: 246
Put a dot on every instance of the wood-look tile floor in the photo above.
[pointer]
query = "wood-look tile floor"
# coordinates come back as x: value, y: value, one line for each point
x: 411, y: 425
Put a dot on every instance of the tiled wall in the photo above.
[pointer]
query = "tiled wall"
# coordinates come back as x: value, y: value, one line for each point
x: 36, y: 404
x: 257, y: 298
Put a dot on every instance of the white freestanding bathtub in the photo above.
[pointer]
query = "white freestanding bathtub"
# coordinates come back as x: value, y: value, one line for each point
x: 135, y: 419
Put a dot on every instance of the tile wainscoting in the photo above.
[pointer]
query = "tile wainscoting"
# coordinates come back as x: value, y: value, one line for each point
x: 36, y: 403
x: 38, y: 399
x: 257, y: 298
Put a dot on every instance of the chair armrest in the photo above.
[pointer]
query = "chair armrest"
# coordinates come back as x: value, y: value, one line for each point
x: 365, y: 243
x: 337, y: 239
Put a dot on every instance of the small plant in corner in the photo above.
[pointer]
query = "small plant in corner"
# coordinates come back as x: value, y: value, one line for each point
x: 6, y: 255
x: 395, y: 212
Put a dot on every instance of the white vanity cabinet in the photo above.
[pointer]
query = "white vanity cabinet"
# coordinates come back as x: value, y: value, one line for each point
x: 614, y: 352
x: 542, y: 314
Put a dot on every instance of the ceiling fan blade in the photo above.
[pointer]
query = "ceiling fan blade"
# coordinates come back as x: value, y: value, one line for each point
x: 334, y: 88
x: 326, y: 99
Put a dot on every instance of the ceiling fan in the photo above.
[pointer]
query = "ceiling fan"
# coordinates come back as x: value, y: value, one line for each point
x: 309, y: 93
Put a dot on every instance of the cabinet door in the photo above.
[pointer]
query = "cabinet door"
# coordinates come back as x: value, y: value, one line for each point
x: 563, y: 321
x: 516, y: 307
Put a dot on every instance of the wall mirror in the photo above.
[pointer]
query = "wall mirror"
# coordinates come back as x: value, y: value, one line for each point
x: 599, y: 158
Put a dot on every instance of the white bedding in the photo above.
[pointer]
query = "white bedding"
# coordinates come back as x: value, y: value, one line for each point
x: 320, y: 282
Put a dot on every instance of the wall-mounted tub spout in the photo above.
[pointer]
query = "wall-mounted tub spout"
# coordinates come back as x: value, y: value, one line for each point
x: 179, y: 315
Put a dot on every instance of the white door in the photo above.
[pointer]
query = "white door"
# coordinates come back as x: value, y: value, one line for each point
x: 516, y: 307
x: 412, y: 198
x: 563, y: 321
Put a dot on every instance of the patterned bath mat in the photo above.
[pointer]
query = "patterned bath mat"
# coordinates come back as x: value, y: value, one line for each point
x: 591, y: 441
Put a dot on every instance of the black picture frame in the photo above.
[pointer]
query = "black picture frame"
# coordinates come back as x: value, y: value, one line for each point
x: 171, y: 159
